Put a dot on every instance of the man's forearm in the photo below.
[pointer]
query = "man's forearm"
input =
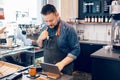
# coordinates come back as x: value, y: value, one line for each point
x: 64, y: 62
x: 67, y: 60
x: 40, y: 43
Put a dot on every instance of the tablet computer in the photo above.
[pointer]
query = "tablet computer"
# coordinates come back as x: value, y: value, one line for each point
x: 51, y: 70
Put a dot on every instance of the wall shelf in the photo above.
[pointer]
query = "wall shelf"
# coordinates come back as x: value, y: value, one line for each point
x: 95, y: 23
x: 82, y: 22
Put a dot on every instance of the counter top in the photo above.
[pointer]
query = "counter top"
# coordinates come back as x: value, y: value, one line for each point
x: 8, y: 51
x: 25, y: 76
x: 106, y: 54
x: 95, y: 42
x: 63, y: 77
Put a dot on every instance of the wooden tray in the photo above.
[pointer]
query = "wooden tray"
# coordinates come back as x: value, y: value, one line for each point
x: 8, y: 68
x: 52, y: 75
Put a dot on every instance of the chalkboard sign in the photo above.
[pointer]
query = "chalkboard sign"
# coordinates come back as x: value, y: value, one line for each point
x: 94, y: 10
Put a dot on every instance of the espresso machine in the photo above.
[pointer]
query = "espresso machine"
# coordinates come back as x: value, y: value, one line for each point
x: 115, y: 30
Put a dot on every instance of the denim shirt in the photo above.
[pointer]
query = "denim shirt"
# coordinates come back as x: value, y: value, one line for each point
x: 68, y: 41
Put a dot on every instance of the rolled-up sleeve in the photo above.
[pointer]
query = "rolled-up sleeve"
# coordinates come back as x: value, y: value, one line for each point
x: 73, y: 43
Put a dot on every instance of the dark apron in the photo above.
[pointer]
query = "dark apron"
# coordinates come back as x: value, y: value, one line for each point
x: 52, y: 54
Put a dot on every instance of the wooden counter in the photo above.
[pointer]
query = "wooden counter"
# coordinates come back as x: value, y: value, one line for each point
x: 63, y: 77
x: 25, y: 76
x: 8, y: 68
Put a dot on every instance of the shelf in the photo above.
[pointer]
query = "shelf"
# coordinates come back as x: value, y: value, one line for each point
x: 95, y: 23
x: 82, y: 22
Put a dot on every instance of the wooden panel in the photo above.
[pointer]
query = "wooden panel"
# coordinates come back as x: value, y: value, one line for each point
x: 69, y: 9
x: 8, y: 68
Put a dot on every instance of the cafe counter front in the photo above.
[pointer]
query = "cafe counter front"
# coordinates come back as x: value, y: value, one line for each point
x: 105, y: 64
x: 10, y: 70
x: 24, y: 74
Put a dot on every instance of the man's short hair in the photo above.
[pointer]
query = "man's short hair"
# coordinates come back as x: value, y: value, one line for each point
x: 48, y: 8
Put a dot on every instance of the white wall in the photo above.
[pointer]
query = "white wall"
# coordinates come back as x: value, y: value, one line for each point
x: 56, y: 3
x: 1, y: 2
x: 98, y: 32
x: 11, y: 6
x: 39, y: 17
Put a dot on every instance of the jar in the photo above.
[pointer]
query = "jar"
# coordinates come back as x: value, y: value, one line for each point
x: 32, y: 71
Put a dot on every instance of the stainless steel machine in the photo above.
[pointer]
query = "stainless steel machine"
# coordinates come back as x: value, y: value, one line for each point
x: 115, y: 30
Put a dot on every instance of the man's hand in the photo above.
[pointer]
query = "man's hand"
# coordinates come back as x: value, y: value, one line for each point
x: 60, y: 65
x: 2, y: 30
x: 42, y: 37
x: 64, y: 62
